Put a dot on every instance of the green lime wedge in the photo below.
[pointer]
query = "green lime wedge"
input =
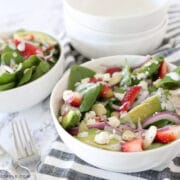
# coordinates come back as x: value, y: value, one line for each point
x: 144, y: 110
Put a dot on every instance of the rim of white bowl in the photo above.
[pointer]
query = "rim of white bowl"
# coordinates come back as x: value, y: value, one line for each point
x: 123, y: 40
x: 44, y: 75
x: 161, y: 25
x: 163, y: 5
x: 55, y: 119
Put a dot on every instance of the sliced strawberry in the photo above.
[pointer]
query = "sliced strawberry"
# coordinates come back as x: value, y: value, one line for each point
x: 74, y: 99
x: 106, y: 91
x: 165, y: 136
x: 163, y: 70
x: 134, y: 145
x: 29, y: 49
x: 30, y: 37
x: 130, y: 97
x: 124, y: 107
x: 95, y: 80
x: 16, y: 41
x: 113, y: 70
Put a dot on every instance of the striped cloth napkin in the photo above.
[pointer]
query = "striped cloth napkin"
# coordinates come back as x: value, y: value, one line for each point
x: 61, y: 163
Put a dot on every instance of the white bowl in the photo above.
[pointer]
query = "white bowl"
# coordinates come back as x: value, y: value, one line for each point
x: 73, y: 27
x: 114, y: 161
x: 25, y: 96
x: 118, y: 16
x: 141, y: 45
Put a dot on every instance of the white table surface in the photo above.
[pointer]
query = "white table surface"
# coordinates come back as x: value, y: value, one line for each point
x: 40, y: 15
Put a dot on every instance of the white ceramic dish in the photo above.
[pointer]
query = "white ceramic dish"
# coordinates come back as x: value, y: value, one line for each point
x: 84, y: 32
x: 118, y: 16
x: 25, y: 96
x: 138, y: 45
x: 114, y: 161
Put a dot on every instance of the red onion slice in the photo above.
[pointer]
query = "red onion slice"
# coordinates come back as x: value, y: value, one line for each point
x: 116, y: 107
x: 7, y: 68
x: 160, y: 116
x: 99, y: 125
x: 165, y: 128
x: 74, y: 131
x: 110, y: 128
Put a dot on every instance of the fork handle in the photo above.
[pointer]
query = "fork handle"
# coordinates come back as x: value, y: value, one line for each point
x: 33, y: 175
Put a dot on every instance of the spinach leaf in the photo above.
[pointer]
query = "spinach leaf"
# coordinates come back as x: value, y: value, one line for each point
x: 77, y: 73
x: 7, y: 86
x: 41, y: 69
x: 26, y: 76
x: 90, y: 97
x: 171, y: 80
x: 7, y: 78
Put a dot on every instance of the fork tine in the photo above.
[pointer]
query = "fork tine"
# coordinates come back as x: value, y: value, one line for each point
x: 19, y: 141
x: 32, y: 144
x: 27, y: 145
x: 15, y: 140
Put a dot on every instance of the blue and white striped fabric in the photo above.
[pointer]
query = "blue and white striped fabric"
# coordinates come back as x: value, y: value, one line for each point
x: 61, y: 163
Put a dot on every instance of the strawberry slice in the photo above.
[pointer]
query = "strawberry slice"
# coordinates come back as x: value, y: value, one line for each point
x: 94, y: 80
x: 134, y: 145
x: 130, y: 97
x: 163, y: 70
x: 28, y: 49
x: 106, y: 91
x: 74, y: 99
x: 31, y: 50
x: 113, y: 70
x: 166, y: 136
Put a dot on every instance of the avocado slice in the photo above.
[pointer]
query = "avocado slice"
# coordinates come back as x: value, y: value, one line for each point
x: 144, y: 110
x: 90, y: 97
x: 42, y: 37
x: 89, y: 139
x: 77, y: 73
x: 82, y: 126
x: 71, y: 119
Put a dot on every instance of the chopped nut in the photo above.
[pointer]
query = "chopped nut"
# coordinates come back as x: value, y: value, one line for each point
x: 115, y: 79
x: 99, y: 109
x: 128, y: 135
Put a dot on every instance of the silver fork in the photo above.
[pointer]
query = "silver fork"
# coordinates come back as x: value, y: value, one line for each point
x: 26, y: 151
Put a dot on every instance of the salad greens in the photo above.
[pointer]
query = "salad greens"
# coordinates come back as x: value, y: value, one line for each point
x: 26, y: 56
x: 123, y: 109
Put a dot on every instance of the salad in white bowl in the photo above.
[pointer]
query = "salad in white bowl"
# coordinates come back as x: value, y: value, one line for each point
x: 31, y: 63
x: 110, y: 108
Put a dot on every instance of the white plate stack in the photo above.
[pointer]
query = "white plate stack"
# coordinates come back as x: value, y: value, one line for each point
x: 110, y: 27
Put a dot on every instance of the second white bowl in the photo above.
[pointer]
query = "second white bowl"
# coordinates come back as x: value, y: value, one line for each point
x: 92, y: 47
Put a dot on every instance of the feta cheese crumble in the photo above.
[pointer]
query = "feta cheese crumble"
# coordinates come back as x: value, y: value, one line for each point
x: 102, y: 138
x: 114, y: 121
x: 66, y: 95
x: 21, y: 46
x: 104, y: 77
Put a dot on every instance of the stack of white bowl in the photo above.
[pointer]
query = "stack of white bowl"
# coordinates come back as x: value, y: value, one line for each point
x: 110, y: 27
